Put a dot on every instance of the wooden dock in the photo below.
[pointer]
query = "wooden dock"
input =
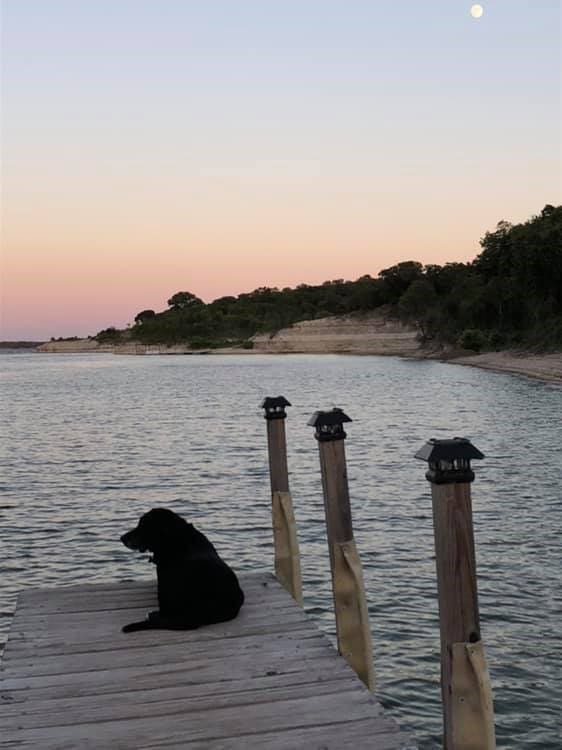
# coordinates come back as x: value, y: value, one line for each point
x: 266, y: 680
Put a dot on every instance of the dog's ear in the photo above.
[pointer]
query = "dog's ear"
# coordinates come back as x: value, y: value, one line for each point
x: 162, y: 529
x: 175, y: 530
x: 148, y: 530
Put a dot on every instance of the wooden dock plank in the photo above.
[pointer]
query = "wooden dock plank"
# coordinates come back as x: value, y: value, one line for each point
x: 290, y: 649
x: 87, y: 628
x: 208, y: 724
x: 63, y: 622
x: 47, y: 700
x: 106, y: 708
x: 141, y: 683
x: 352, y: 735
x: 269, y: 679
x: 21, y: 650
x: 108, y: 680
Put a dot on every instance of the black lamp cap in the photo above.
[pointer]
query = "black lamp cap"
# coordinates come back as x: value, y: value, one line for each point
x: 275, y: 407
x: 328, y: 424
x: 449, y: 460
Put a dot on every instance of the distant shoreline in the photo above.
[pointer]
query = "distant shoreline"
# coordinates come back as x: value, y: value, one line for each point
x: 371, y: 334
x: 20, y: 344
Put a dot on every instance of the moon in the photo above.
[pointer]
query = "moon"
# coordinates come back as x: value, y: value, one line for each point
x: 476, y: 11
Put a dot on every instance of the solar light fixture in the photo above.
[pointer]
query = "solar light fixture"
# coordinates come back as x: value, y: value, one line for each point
x: 449, y: 460
x: 329, y: 424
x: 275, y: 407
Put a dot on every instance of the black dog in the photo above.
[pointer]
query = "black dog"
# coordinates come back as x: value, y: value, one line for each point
x: 195, y: 587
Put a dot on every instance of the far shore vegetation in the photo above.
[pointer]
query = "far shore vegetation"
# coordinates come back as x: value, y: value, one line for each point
x: 509, y: 296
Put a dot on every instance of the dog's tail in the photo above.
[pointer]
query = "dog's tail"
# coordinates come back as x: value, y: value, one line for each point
x: 142, y: 625
x: 155, y: 621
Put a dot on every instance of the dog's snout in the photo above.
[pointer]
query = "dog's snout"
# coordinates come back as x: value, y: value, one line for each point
x: 131, y: 540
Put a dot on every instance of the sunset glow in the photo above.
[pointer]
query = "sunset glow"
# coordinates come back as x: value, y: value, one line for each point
x: 217, y: 147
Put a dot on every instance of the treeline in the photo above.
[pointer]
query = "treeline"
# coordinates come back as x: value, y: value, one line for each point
x: 510, y: 295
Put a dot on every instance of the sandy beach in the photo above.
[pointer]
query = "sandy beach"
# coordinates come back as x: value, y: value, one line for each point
x: 542, y: 366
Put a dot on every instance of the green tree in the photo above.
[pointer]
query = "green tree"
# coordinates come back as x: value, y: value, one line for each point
x: 108, y: 336
x: 398, y: 278
x: 417, y: 305
x: 144, y: 315
x: 184, y: 301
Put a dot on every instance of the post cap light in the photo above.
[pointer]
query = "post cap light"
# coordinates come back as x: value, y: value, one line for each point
x: 329, y: 424
x: 275, y: 407
x: 449, y: 460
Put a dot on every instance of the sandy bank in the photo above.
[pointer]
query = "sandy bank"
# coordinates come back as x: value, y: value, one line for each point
x: 543, y: 366
x: 366, y: 334
x: 75, y: 346
x: 85, y: 346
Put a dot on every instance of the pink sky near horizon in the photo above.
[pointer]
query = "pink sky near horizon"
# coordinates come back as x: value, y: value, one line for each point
x: 76, y: 284
x: 136, y: 173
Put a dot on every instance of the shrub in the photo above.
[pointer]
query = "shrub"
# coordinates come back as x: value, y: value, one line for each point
x: 473, y: 339
x: 496, y: 340
x: 108, y: 336
x: 198, y: 342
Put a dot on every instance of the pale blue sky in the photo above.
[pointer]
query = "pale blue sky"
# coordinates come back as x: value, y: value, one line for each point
x: 356, y: 71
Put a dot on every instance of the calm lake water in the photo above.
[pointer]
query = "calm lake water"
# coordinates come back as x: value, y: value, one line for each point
x: 90, y: 442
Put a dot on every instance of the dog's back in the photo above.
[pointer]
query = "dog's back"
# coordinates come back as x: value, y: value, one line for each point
x: 195, y: 583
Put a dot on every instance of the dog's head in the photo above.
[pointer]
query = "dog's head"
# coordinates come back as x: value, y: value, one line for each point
x: 157, y: 530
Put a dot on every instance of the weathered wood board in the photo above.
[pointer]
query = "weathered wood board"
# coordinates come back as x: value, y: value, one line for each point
x: 265, y: 681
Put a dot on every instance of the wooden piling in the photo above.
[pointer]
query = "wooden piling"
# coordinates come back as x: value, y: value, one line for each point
x: 352, y: 619
x: 286, y: 546
x: 465, y: 684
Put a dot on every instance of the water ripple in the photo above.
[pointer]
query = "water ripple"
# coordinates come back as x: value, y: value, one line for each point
x: 92, y: 441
